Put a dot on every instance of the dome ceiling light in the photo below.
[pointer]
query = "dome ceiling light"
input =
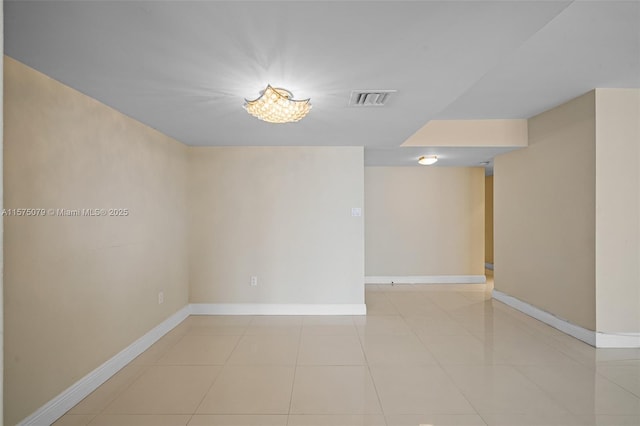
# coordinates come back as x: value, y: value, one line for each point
x: 427, y: 160
x: 276, y: 105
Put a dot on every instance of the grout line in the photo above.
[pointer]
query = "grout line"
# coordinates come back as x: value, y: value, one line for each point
x: 366, y: 360
x: 295, y: 369
x: 86, y: 424
x: 216, y: 377
x: 143, y: 369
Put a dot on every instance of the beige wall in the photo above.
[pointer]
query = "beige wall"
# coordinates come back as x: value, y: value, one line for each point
x: 80, y: 289
x: 282, y: 214
x: 424, y: 221
x: 618, y: 210
x: 488, y: 219
x: 467, y: 133
x: 544, y: 214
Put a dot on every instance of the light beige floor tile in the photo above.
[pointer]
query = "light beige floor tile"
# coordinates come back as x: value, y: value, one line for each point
x: 532, y: 325
x: 529, y: 350
x: 488, y: 328
x: 370, y: 288
x: 200, y: 350
x: 413, y: 296
x: 330, y: 330
x: 216, y: 325
x: 465, y: 307
x: 419, y: 310
x: 334, y: 390
x: 158, y: 349
x: 313, y: 320
x: 329, y: 326
x: 477, y: 295
x: 441, y: 325
x: 581, y: 390
x: 165, y: 389
x: 250, y: 389
x: 492, y: 325
x: 574, y: 348
x: 613, y: 420
x: 98, y: 400
x: 460, y: 350
x: 277, y: 320
x: 238, y: 420
x: 274, y: 325
x: 435, y: 419
x: 336, y: 420
x: 175, y: 333
x: 74, y: 420
x: 539, y: 419
x: 423, y: 389
x: 216, y: 330
x: 266, y: 350
x: 378, y: 304
x: 395, y: 349
x: 330, y: 350
x: 627, y: 376
x: 629, y: 356
x: 415, y: 304
x: 140, y: 420
x: 501, y: 389
x: 518, y: 371
x: 382, y: 324
x: 450, y: 300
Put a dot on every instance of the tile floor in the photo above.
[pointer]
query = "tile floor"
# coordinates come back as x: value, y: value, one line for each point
x: 424, y: 355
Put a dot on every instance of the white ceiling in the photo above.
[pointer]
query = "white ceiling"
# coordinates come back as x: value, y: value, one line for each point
x: 185, y: 67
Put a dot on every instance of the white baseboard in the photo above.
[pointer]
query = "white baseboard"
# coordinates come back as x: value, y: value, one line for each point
x: 594, y: 338
x: 617, y: 340
x: 54, y: 409
x: 587, y: 336
x: 277, y: 309
x: 426, y: 279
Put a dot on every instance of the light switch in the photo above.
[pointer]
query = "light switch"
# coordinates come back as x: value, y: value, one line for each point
x: 356, y: 211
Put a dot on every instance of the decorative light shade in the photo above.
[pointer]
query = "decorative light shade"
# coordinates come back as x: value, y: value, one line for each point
x: 428, y: 160
x: 276, y: 105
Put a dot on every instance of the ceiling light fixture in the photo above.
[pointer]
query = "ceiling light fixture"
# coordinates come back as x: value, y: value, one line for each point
x: 275, y: 105
x: 427, y: 160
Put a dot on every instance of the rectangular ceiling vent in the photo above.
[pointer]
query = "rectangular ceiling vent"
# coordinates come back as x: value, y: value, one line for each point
x: 363, y: 98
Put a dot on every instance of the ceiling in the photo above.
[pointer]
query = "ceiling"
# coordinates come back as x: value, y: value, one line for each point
x: 185, y: 67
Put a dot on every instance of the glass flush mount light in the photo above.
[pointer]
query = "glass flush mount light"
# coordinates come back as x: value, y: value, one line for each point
x: 427, y: 160
x: 275, y: 105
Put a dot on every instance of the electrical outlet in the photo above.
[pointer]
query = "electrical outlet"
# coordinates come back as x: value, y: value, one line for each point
x: 254, y: 281
x: 161, y: 298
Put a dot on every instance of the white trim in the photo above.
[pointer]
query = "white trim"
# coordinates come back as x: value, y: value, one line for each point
x: 276, y: 309
x: 58, y: 406
x: 587, y: 336
x: 427, y: 279
x: 617, y: 340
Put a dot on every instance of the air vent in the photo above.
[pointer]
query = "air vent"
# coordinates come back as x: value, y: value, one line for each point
x: 363, y: 98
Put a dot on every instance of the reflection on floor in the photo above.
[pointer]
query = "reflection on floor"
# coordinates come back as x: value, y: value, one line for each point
x: 430, y: 354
